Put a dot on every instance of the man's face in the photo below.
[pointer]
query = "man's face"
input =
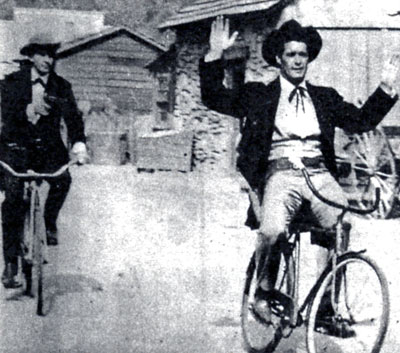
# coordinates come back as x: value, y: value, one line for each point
x: 294, y: 61
x: 43, y: 62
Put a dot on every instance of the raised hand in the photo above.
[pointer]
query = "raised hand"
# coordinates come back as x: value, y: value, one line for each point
x: 390, y: 74
x: 220, y: 39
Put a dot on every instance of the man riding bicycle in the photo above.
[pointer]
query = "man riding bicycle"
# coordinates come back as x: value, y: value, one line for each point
x: 289, y: 123
x: 33, y: 102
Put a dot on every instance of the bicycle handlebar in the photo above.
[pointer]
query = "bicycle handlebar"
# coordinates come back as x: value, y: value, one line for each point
x: 337, y: 205
x: 34, y: 175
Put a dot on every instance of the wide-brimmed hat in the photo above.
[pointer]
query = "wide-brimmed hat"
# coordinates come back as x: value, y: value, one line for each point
x: 40, y: 42
x: 291, y: 31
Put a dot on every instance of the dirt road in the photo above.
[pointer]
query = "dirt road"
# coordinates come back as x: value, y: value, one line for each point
x: 155, y: 263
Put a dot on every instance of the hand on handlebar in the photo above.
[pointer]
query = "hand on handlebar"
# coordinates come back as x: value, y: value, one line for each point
x: 297, y: 162
x: 79, y: 153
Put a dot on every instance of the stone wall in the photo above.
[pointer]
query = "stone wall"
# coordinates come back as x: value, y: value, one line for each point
x: 212, y: 131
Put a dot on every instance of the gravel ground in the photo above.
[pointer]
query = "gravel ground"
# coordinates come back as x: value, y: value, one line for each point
x: 156, y: 263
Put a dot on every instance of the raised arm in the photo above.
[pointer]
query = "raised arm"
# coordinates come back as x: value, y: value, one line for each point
x: 356, y: 120
x: 220, y: 39
x: 213, y: 92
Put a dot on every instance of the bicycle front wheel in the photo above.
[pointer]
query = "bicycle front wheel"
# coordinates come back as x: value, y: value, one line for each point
x: 259, y: 337
x: 350, y: 310
x: 39, y: 238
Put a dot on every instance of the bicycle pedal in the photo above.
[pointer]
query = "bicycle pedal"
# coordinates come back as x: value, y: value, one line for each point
x: 277, y: 298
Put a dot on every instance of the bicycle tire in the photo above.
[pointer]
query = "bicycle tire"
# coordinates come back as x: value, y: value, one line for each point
x: 369, y: 277
x: 38, y: 243
x: 27, y: 258
x: 272, y: 333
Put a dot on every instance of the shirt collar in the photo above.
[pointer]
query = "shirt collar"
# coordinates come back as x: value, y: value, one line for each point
x: 35, y: 75
x: 287, y: 87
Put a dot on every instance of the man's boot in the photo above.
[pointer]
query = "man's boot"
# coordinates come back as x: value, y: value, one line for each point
x: 9, y: 277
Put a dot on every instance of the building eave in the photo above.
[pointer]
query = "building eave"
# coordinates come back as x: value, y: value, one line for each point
x: 106, y: 32
x: 203, y: 10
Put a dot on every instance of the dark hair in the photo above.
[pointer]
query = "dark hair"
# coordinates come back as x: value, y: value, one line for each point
x: 281, y: 45
x: 290, y: 31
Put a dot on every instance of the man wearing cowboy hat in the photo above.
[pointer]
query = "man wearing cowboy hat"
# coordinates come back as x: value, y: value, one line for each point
x: 33, y: 102
x: 289, y: 123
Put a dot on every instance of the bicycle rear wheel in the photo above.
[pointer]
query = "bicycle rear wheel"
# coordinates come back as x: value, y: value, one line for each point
x: 361, y: 302
x: 258, y: 336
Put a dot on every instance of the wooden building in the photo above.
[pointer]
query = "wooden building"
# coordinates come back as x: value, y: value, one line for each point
x: 114, y: 89
x: 110, y: 65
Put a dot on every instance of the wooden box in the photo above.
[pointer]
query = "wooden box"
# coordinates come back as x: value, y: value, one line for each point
x: 165, y: 151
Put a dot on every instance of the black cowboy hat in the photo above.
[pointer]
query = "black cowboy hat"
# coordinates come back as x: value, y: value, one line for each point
x: 40, y: 42
x: 291, y: 31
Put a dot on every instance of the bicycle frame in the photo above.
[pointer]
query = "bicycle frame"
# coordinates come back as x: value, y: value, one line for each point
x: 31, y: 195
x: 330, y: 306
x: 295, y: 316
x: 34, y: 237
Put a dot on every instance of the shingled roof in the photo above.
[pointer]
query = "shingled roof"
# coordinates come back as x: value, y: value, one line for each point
x: 110, y: 31
x: 203, y: 9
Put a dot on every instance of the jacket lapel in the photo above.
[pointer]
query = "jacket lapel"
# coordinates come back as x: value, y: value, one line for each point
x: 52, y: 87
x: 24, y: 88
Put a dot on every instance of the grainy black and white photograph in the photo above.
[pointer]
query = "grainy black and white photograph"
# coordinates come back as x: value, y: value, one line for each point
x: 200, y: 176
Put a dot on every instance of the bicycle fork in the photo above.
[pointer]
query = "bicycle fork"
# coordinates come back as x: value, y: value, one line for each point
x: 27, y: 259
x: 337, y: 278
x: 295, y: 307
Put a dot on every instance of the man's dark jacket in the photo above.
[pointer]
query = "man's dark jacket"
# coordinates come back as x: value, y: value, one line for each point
x: 258, y: 104
x: 17, y: 132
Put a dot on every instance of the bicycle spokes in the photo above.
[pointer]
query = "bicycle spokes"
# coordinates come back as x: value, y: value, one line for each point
x: 260, y: 336
x: 357, y: 320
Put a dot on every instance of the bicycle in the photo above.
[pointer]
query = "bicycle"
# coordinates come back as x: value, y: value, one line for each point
x: 345, y: 279
x: 34, y: 242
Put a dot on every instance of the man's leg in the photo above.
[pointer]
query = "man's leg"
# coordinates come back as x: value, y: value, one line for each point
x: 281, y: 201
x: 329, y: 188
x: 58, y: 191
x: 13, y: 212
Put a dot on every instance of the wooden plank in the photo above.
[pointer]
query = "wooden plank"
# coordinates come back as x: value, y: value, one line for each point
x: 92, y: 96
x: 112, y: 83
x: 163, y: 163
x: 117, y: 54
x: 127, y: 44
x: 125, y: 76
x: 74, y: 66
x: 81, y: 88
x: 83, y: 60
x: 173, y: 152
x: 123, y: 102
